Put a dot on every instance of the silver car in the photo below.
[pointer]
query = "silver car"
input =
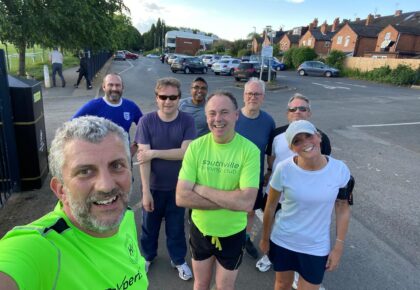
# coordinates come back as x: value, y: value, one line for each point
x: 225, y: 66
x: 317, y: 68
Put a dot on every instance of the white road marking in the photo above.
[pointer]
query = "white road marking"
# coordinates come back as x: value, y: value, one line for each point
x: 331, y: 87
x: 360, y: 86
x: 386, y: 125
x: 131, y: 66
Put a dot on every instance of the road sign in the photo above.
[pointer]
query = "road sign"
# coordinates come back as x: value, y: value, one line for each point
x: 267, y: 51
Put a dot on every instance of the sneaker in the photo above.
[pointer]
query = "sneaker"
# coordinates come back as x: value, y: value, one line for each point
x: 89, y: 87
x: 184, y: 271
x: 76, y: 86
x: 295, y: 281
x: 250, y: 248
x: 147, y: 265
x: 263, y: 264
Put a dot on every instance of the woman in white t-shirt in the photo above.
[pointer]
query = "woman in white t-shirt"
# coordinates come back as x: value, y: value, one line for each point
x: 311, y: 186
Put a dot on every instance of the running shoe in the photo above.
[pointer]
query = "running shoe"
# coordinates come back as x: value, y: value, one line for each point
x: 263, y: 264
x: 184, y: 271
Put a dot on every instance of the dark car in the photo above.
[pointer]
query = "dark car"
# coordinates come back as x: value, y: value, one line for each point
x: 275, y: 64
x: 246, y: 70
x: 317, y: 68
x: 188, y: 65
x: 131, y: 55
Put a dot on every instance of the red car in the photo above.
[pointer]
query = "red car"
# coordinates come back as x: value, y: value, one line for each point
x: 131, y: 55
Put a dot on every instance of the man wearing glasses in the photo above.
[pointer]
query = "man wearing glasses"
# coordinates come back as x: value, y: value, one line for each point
x: 257, y: 126
x: 298, y: 108
x: 195, y: 105
x: 163, y: 137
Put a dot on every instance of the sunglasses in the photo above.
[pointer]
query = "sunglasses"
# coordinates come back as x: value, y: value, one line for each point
x: 164, y: 98
x: 300, y: 109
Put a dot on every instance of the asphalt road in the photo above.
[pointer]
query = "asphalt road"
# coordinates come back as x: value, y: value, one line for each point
x: 374, y: 128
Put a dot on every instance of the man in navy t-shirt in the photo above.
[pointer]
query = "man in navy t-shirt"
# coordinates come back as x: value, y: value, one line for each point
x: 112, y: 106
x: 163, y: 137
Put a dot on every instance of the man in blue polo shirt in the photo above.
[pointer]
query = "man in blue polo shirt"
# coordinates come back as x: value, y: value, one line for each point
x: 112, y: 106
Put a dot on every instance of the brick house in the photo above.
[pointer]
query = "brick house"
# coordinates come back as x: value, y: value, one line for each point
x: 256, y: 44
x: 355, y: 39
x: 317, y: 38
x: 396, y: 41
x: 291, y: 38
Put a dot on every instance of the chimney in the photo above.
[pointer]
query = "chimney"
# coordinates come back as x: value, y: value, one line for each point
x: 314, y: 24
x: 335, y: 24
x: 324, y: 27
x: 369, y: 20
x: 398, y: 12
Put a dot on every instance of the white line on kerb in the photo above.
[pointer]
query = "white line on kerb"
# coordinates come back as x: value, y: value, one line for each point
x: 385, y: 125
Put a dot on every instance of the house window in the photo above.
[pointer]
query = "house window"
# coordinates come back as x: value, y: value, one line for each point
x: 387, y: 36
x: 339, y: 40
x: 304, y: 43
x: 309, y: 41
x: 346, y: 42
x: 327, y: 44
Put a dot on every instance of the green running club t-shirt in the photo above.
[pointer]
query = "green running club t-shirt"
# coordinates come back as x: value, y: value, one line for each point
x: 51, y: 253
x: 225, y: 167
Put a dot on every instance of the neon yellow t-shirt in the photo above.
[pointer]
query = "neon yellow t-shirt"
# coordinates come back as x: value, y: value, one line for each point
x: 51, y: 253
x: 226, y: 167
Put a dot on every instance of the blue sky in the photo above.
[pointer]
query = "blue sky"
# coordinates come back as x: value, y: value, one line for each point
x: 235, y: 19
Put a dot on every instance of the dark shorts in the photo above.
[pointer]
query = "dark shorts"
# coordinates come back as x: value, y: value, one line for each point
x: 310, y: 267
x: 259, y: 200
x: 230, y: 257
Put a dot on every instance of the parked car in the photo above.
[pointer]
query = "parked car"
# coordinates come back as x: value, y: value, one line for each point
x: 152, y: 55
x: 226, y: 56
x: 213, y: 59
x: 246, y: 70
x: 131, y: 55
x: 317, y: 68
x: 119, y: 55
x: 225, y: 66
x: 275, y: 64
x: 188, y: 65
x: 172, y: 58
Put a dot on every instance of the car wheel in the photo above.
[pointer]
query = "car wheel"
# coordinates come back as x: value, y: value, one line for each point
x: 328, y: 74
x: 231, y: 72
x: 174, y: 71
x: 302, y: 72
x: 204, y: 70
x: 237, y: 79
x: 187, y: 70
x: 217, y: 73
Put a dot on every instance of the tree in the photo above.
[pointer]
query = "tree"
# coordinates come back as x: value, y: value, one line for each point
x: 69, y: 24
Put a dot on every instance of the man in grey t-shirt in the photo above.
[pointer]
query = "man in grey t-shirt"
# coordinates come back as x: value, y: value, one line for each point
x: 195, y: 105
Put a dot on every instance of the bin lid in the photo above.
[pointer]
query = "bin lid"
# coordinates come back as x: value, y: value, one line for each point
x: 19, y: 82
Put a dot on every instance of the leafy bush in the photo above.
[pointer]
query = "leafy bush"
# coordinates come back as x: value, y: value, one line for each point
x: 336, y: 59
x: 302, y: 54
x: 288, y: 57
x: 402, y: 75
x: 243, y: 52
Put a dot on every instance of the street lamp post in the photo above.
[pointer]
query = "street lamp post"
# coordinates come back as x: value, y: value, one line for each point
x: 268, y: 30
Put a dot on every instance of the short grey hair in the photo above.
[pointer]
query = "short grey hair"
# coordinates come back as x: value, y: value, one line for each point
x: 300, y: 97
x: 256, y: 81
x: 87, y: 128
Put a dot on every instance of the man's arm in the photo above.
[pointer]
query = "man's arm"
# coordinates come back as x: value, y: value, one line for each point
x: 7, y: 283
x: 146, y: 155
x: 270, y: 163
x: 147, y: 200
x: 238, y: 199
x: 187, y: 197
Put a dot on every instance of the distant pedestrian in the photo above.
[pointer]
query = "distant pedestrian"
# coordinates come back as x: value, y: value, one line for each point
x: 83, y: 72
x: 56, y: 59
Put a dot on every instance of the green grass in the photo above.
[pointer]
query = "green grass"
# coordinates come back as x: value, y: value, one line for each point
x: 35, y: 64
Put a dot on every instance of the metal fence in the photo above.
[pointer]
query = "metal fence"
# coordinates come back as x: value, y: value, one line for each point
x: 9, y: 171
x: 96, y: 62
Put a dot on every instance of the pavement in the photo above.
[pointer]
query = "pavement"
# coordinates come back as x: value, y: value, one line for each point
x: 24, y: 207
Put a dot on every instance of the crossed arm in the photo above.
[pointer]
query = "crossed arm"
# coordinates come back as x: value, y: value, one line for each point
x: 197, y: 196
x: 145, y: 155
x: 7, y: 283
